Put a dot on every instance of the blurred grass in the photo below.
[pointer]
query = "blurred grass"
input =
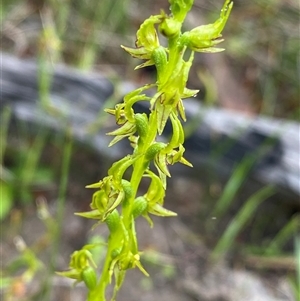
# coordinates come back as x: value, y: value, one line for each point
x: 5, y: 174
x: 56, y: 231
x: 235, y: 182
x: 288, y: 231
x: 246, y: 212
x: 264, y: 46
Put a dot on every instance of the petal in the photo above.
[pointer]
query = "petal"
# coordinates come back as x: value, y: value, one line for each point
x: 139, y: 53
x: 93, y: 214
x: 160, y: 162
x: 147, y: 35
x: 161, y: 211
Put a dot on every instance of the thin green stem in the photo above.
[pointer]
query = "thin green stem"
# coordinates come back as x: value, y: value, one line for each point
x: 98, y: 294
x: 175, y: 55
x: 138, y: 167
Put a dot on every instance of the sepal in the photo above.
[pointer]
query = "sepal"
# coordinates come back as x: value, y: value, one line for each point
x: 118, y: 168
x: 161, y: 211
x: 160, y: 162
x: 156, y: 191
x: 118, y: 112
x: 72, y: 274
x: 177, y: 156
x: 92, y: 214
x: 126, y: 130
x: 147, y: 41
x: 177, y: 133
x: 147, y: 35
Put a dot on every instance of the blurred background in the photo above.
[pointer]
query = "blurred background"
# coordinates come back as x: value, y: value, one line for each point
x: 43, y: 174
x: 261, y: 61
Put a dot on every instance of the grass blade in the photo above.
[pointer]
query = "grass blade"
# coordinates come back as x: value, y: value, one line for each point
x: 284, y: 234
x: 233, y: 185
x: 240, y: 220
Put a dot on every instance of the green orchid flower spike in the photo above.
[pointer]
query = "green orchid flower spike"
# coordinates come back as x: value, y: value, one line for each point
x: 116, y: 201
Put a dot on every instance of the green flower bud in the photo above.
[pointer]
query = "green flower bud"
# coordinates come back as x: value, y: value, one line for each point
x: 140, y: 205
x: 153, y: 150
x: 113, y: 221
x: 141, y: 121
x: 159, y: 57
x: 126, y: 185
x: 89, y: 277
